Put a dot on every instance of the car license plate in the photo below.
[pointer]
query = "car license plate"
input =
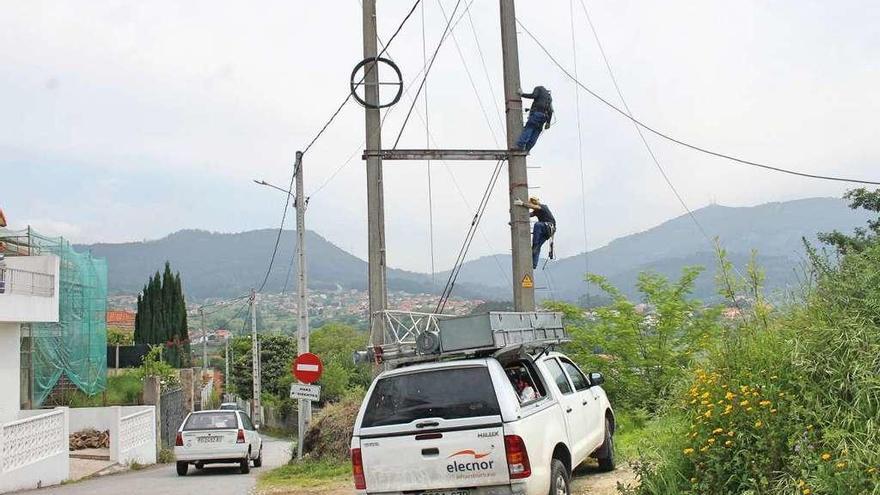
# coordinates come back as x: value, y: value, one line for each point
x: 210, y: 439
x: 447, y: 492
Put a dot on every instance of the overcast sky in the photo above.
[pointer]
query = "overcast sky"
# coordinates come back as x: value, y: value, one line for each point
x: 126, y: 120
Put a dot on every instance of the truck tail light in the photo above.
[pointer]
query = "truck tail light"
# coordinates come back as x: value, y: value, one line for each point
x: 240, y: 438
x: 357, y: 469
x: 178, y: 442
x: 517, y: 457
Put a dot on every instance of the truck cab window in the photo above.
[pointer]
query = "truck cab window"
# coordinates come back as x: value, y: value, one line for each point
x: 577, y: 378
x: 558, y: 375
x: 522, y: 379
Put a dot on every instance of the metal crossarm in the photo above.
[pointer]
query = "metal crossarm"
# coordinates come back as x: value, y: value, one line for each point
x: 492, y: 155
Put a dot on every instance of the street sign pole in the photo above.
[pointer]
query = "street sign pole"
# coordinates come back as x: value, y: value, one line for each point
x: 307, y: 369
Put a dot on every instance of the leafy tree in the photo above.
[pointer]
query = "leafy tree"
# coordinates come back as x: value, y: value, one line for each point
x: 335, y: 344
x: 863, y: 238
x: 643, y: 349
x: 277, y: 353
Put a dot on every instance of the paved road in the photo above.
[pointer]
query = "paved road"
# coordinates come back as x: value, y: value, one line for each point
x: 163, y: 480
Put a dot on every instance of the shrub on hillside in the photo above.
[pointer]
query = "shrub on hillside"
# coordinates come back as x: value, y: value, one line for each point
x: 788, y: 403
x: 329, y: 436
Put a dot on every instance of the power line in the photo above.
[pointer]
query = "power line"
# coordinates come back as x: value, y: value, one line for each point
x: 469, y: 76
x: 348, y: 96
x: 485, y: 70
x: 577, y: 101
x: 428, y: 163
x: 462, y: 253
x: 425, y: 76
x: 638, y: 129
x: 678, y: 141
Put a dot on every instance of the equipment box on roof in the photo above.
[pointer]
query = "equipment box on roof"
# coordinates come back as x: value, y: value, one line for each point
x: 496, y: 330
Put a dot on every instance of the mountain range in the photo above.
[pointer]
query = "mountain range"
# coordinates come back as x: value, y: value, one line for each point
x: 223, y: 265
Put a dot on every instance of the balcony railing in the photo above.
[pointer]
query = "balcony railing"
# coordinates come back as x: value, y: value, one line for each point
x: 26, y: 283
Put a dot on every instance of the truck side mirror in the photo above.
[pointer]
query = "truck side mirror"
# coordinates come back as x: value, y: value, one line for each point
x: 596, y: 378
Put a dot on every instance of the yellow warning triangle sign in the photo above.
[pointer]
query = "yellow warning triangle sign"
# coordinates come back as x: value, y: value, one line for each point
x: 527, y: 282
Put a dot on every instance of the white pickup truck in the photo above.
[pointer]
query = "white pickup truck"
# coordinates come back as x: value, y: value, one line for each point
x: 507, y: 424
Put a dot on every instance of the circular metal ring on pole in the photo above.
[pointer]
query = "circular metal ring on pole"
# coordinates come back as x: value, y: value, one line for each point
x: 377, y: 60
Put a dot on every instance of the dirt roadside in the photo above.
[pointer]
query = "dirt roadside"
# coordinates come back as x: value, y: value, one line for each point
x: 586, y: 481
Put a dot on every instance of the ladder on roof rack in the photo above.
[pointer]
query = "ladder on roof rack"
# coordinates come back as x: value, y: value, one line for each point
x: 412, y: 337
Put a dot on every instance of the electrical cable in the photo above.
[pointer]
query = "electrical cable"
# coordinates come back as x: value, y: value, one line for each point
x: 280, y: 230
x: 577, y: 100
x: 485, y: 70
x: 425, y: 76
x: 678, y: 141
x: 366, y: 72
x: 470, y: 78
x: 428, y: 162
x: 462, y: 253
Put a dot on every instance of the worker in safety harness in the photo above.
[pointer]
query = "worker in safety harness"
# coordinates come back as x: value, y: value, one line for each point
x: 544, y: 228
x: 539, y: 117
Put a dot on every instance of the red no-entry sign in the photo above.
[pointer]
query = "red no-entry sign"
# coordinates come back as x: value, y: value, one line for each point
x: 307, y: 368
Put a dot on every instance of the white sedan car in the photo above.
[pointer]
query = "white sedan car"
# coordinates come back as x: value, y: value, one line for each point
x: 215, y: 437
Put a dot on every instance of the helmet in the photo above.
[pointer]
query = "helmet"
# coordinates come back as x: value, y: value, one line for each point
x: 534, y: 200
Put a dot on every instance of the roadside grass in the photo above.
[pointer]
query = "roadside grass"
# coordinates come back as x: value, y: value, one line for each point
x: 305, y: 474
x: 642, y: 437
x: 281, y: 433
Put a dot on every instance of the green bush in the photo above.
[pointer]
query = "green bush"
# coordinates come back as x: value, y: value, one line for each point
x: 787, y: 402
x: 643, y: 349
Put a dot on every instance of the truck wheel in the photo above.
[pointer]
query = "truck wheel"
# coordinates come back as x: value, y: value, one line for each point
x: 559, y: 478
x: 258, y: 462
x: 606, y: 452
x: 245, y: 466
x: 182, y: 468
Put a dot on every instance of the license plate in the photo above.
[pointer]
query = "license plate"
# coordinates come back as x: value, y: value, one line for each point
x: 210, y: 439
x: 447, y: 492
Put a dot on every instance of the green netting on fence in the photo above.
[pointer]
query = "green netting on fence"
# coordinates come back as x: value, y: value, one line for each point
x: 76, y: 346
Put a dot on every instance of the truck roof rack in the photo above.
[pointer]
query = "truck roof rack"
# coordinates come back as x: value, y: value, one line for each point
x: 412, y: 337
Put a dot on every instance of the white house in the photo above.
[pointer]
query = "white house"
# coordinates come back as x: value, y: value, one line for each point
x: 33, y: 443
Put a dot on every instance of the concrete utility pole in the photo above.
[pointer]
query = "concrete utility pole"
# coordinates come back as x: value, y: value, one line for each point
x: 304, y: 418
x: 226, y: 361
x: 255, y: 353
x: 375, y: 194
x: 523, y: 291
x: 204, y: 340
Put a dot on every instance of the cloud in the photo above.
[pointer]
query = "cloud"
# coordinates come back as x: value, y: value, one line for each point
x: 130, y: 120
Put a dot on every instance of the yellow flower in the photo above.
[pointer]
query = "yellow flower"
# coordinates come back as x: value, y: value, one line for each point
x: 744, y: 403
x: 704, y: 402
x: 782, y: 394
x: 807, y: 491
x: 800, y: 483
x: 711, y: 440
x: 772, y: 411
x: 704, y: 449
x: 809, y: 427
x: 826, y: 456
x: 717, y: 431
x: 708, y: 413
x: 840, y: 465
x: 688, y: 451
x: 872, y: 470
x: 759, y: 424
x: 729, y: 395
x: 705, y: 395
x: 728, y: 443
x: 693, y: 480
x: 765, y: 403
x: 749, y: 409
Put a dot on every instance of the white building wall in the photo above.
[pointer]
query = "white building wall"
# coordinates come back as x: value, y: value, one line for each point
x: 10, y: 343
x: 25, y: 308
